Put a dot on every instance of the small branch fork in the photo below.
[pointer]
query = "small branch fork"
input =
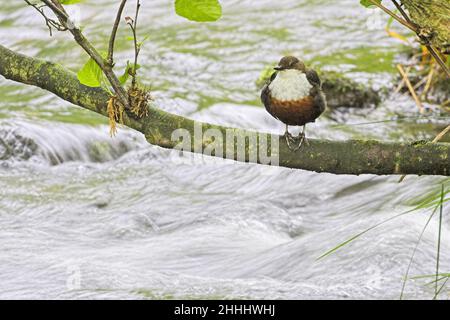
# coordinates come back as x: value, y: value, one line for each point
x: 137, y: 47
x: 406, y: 21
x: 51, y: 23
x: 104, y: 64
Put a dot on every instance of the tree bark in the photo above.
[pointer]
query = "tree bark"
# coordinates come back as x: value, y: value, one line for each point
x: 338, y: 157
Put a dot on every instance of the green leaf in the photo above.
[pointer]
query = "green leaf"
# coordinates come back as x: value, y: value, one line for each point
x: 128, y: 71
x: 199, y: 10
x: 91, y: 74
x: 141, y: 43
x: 68, y: 2
x: 390, y: 21
x: 124, y: 78
x: 368, y: 3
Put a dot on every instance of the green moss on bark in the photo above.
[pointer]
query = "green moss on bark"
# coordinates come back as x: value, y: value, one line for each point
x: 339, y: 157
x: 433, y: 18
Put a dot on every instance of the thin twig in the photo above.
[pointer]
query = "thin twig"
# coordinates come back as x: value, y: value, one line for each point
x: 441, y: 134
x: 393, y: 15
x: 60, y: 13
x: 429, y: 81
x: 64, y: 18
x: 112, y: 40
x: 420, y: 83
x: 48, y: 21
x: 402, y: 12
x: 439, y: 60
x: 137, y: 48
x: 411, y: 88
x: 402, y: 83
x: 416, y: 30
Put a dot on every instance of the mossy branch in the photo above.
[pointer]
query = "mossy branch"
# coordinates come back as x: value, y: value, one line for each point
x: 338, y: 157
x: 433, y: 19
x: 425, y: 34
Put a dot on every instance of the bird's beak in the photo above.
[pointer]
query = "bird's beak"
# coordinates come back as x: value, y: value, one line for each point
x: 278, y: 68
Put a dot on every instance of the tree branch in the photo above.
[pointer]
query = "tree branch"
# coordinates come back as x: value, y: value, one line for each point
x: 48, y: 21
x: 137, y: 48
x: 432, y: 17
x: 413, y: 27
x: 112, y: 39
x: 402, y: 12
x: 393, y: 15
x: 64, y: 18
x: 339, y: 157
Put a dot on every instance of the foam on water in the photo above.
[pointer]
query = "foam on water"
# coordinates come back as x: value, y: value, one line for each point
x: 56, y: 143
x: 86, y: 216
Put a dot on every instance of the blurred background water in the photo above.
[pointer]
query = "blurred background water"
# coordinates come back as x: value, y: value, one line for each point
x: 83, y: 215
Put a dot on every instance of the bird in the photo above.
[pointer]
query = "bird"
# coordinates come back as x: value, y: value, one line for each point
x: 294, y: 96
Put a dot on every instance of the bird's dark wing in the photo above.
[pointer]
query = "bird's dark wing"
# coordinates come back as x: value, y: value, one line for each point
x: 273, y: 76
x: 320, y: 101
x: 313, y: 78
x: 265, y: 93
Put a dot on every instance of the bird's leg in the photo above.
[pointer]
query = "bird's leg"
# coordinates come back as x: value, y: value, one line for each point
x: 302, y: 137
x: 289, y: 138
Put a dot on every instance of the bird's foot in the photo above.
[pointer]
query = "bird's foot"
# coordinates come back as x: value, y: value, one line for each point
x: 290, y: 141
x: 303, y: 140
x: 295, y: 143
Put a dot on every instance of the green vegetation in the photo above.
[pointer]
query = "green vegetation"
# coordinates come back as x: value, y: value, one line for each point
x: 362, y: 59
x: 199, y: 10
x: 434, y: 200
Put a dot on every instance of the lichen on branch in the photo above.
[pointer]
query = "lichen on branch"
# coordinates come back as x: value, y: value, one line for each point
x: 339, y: 157
x: 433, y: 19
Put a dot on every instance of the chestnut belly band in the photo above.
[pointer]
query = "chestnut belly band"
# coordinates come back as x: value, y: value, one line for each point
x: 294, y: 112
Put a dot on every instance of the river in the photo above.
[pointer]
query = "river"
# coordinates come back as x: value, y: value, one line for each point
x: 86, y: 216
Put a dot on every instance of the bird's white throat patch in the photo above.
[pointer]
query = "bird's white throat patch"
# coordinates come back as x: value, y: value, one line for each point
x: 290, y: 85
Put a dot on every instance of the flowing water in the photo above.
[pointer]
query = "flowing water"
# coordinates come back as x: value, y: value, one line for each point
x: 86, y: 216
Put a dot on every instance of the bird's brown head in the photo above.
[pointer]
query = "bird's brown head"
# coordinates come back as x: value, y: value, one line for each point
x: 290, y: 62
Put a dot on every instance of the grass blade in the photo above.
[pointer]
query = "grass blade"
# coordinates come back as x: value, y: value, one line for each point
x: 424, y: 204
x: 436, y: 292
x: 405, y: 278
x: 342, y: 244
x: 440, y: 289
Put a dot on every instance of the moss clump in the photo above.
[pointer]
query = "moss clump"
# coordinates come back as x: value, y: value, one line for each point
x: 433, y: 19
x: 419, y: 143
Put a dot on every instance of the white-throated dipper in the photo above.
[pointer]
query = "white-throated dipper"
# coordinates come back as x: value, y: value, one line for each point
x: 294, y: 96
